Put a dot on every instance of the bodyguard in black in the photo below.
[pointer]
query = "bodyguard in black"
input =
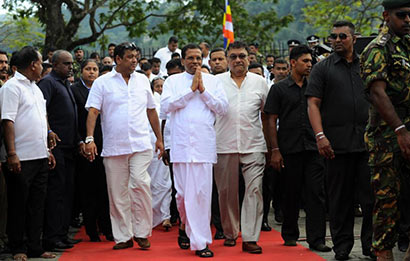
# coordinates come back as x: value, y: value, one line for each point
x: 338, y: 113
x: 62, y: 117
x: 294, y: 153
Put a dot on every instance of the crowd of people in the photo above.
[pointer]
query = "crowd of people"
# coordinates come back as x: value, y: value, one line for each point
x: 203, y: 136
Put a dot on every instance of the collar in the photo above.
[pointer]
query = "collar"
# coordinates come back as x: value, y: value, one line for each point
x: 114, y: 73
x: 21, y: 77
x: 81, y: 79
x: 339, y: 58
x: 290, y: 82
x: 56, y: 76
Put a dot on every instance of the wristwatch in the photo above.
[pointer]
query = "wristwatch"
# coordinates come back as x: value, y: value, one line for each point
x: 89, y: 139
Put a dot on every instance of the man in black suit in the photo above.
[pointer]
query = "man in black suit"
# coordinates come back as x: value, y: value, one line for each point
x: 62, y: 117
x: 93, y: 184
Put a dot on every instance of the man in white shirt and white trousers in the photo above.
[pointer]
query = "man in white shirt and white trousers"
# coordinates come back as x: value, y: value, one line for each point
x: 125, y: 101
x: 240, y: 143
x: 193, y: 99
x: 165, y: 53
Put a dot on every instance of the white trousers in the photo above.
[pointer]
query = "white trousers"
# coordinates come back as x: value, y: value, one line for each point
x: 129, y: 192
x: 161, y: 191
x: 193, y: 182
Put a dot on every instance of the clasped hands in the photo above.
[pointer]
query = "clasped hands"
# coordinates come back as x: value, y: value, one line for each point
x: 197, y: 83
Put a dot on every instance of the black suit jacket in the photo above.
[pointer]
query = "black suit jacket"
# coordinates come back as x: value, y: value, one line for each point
x: 80, y: 95
x: 61, y: 109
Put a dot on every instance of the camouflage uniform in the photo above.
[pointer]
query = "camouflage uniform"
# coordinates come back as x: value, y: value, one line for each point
x: 387, y: 58
x: 77, y: 70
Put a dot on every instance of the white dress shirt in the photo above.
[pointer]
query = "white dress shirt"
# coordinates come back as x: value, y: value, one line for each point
x: 240, y: 130
x: 193, y: 116
x: 23, y: 103
x: 123, y: 109
x: 164, y: 54
x: 205, y: 61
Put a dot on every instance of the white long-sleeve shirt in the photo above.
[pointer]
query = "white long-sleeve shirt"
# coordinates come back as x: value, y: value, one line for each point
x: 240, y: 129
x: 193, y: 116
x: 164, y: 54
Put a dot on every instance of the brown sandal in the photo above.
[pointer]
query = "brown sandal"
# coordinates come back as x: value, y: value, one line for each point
x: 20, y: 257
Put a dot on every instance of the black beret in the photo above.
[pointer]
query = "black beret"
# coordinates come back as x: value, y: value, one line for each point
x: 392, y: 4
x: 78, y: 48
x: 293, y: 43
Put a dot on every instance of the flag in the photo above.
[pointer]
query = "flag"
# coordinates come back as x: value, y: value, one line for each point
x: 227, y: 25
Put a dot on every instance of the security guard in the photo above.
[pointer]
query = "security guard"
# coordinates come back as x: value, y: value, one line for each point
x: 385, y: 69
x: 312, y: 40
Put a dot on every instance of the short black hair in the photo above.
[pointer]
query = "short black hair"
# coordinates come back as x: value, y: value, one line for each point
x: 269, y: 55
x: 106, y: 68
x: 111, y: 44
x: 174, y: 64
x: 146, y: 66
x: 46, y: 66
x: 206, y: 67
x: 251, y: 53
x: 94, y: 55
x: 256, y: 65
x: 217, y: 49
x: 173, y: 39
x: 280, y: 61
x: 206, y: 45
x: 175, y: 55
x: 86, y: 62
x: 154, y: 60
x: 189, y: 47
x: 13, y: 59
x: 26, y: 56
x: 298, y: 51
x: 120, y: 49
x: 5, y: 53
x: 143, y: 58
x: 238, y: 45
x: 345, y: 23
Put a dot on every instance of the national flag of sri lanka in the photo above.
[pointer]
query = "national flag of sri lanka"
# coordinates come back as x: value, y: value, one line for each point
x: 227, y: 25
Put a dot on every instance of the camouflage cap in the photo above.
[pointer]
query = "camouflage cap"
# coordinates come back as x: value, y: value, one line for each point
x: 392, y: 4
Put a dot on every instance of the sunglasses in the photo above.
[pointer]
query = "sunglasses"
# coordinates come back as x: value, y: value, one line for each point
x: 402, y: 14
x: 242, y: 56
x: 128, y: 46
x: 342, y: 36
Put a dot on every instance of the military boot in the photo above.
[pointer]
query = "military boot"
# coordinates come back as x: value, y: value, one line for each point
x: 385, y: 255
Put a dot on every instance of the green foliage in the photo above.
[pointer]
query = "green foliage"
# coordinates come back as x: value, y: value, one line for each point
x: 69, y: 23
x: 15, y: 34
x: 364, y: 14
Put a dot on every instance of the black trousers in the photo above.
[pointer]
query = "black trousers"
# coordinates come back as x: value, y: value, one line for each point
x: 271, y: 191
x: 59, y: 196
x: 215, y: 212
x: 94, y: 196
x: 347, y: 174
x: 173, y: 207
x: 3, y: 210
x: 26, y: 198
x: 303, y: 170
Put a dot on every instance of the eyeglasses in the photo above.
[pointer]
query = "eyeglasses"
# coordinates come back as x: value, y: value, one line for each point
x: 241, y: 56
x: 402, y: 15
x: 342, y: 36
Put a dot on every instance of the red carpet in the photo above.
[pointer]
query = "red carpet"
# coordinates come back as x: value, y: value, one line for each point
x: 164, y: 246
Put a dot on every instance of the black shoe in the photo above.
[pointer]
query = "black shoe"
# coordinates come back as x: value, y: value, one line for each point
x: 403, y: 244
x: 320, y: 248
x: 109, y: 237
x: 72, y: 241
x: 76, y: 222
x: 219, y: 235
x: 56, y: 245
x: 95, y: 238
x: 266, y: 227
x: 369, y: 253
x: 290, y: 243
x: 343, y: 255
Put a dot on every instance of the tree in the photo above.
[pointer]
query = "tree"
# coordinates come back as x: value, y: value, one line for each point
x: 15, y: 34
x: 190, y: 19
x: 364, y: 14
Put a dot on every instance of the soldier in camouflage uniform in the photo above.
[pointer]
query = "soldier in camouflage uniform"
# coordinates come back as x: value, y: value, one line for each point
x: 385, y: 68
x: 79, y: 58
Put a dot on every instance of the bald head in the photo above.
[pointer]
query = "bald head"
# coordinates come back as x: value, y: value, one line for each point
x: 62, y: 63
